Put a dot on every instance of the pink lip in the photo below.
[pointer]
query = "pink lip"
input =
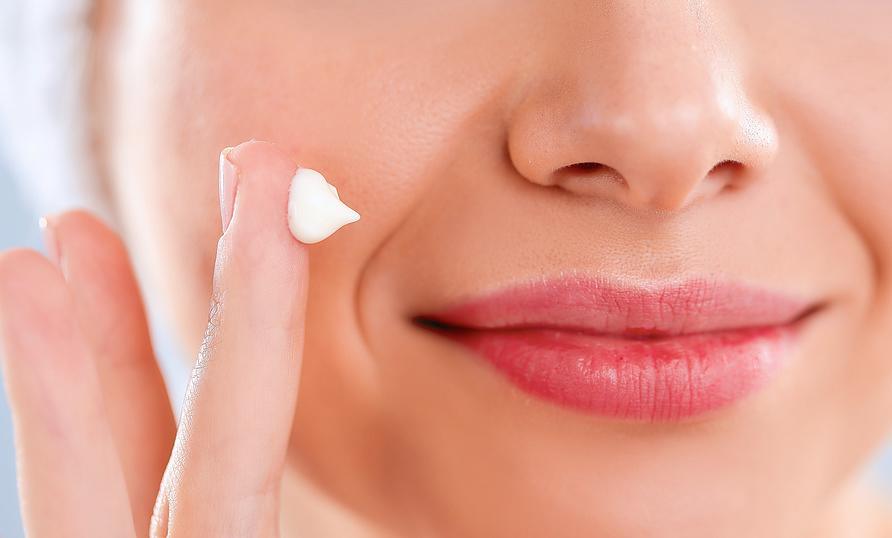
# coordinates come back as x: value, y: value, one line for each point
x: 640, y: 353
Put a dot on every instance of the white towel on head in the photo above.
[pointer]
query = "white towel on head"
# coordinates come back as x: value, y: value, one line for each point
x: 44, y: 130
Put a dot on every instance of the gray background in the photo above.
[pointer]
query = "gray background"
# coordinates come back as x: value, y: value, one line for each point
x: 18, y: 227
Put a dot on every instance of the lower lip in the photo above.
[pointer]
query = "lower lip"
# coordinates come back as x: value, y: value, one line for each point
x: 653, y: 379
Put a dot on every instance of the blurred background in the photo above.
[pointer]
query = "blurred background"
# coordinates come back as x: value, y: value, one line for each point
x: 19, y: 228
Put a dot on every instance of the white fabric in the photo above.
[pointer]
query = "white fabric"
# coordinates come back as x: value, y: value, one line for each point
x: 44, y: 47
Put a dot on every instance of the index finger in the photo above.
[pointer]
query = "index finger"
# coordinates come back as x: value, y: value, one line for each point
x: 236, y: 420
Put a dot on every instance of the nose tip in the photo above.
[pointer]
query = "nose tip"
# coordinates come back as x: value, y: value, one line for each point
x: 661, y: 159
x: 646, y: 124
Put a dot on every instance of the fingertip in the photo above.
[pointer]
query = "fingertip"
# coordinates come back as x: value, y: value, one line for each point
x: 261, y: 157
x: 259, y: 233
x: 81, y: 219
x: 87, y: 240
x: 64, y: 234
x: 257, y: 256
x: 98, y: 271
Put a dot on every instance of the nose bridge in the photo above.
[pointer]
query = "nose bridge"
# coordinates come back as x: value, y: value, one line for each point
x: 648, y: 89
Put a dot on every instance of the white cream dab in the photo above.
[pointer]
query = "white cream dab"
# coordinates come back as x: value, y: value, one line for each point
x: 315, y: 211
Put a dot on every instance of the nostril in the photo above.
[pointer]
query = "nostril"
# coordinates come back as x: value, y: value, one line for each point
x: 588, y: 177
x: 726, y: 168
x: 587, y: 171
x: 727, y: 173
x: 584, y: 167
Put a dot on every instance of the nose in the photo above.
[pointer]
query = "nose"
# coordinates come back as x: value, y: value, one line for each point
x: 643, y: 104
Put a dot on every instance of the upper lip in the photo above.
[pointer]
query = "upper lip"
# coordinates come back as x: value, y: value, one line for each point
x: 605, y: 307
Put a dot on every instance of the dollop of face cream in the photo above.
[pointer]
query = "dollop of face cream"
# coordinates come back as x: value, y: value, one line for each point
x: 315, y: 211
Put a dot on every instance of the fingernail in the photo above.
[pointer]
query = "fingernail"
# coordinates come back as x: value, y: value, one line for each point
x: 50, y: 242
x: 228, y: 186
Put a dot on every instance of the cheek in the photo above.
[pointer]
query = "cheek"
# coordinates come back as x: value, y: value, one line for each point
x: 836, y: 93
x: 832, y: 80
x: 354, y: 102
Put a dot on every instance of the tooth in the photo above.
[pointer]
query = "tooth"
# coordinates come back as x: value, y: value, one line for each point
x: 314, y: 209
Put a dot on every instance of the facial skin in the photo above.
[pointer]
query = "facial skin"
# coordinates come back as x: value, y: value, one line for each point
x: 453, y: 127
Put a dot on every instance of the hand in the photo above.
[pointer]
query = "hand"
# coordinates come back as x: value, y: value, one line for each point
x: 96, y: 441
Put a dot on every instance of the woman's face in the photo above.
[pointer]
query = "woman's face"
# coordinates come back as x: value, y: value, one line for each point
x: 487, y: 143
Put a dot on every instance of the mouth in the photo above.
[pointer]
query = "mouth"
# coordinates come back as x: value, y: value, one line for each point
x: 647, y: 353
